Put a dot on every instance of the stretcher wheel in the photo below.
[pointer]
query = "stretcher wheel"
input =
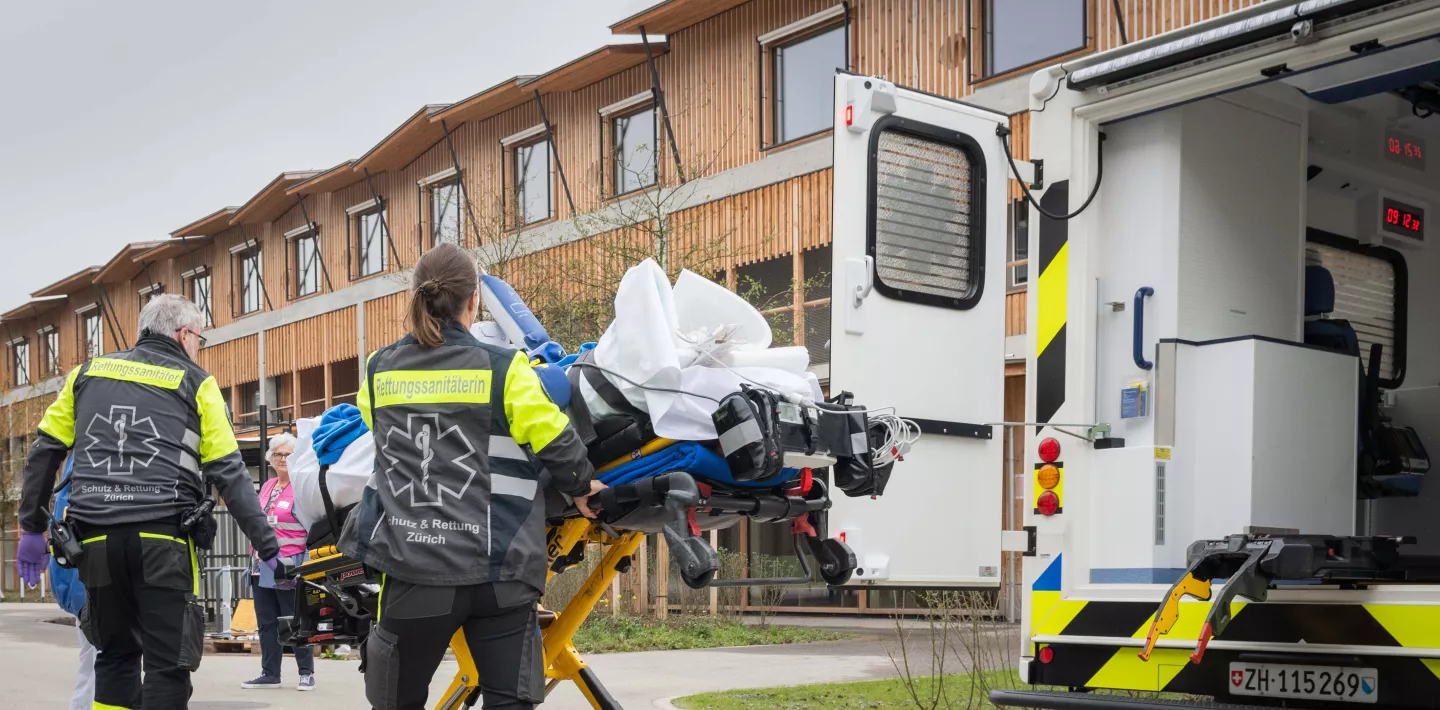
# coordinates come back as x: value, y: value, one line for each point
x: 837, y: 561
x: 700, y: 581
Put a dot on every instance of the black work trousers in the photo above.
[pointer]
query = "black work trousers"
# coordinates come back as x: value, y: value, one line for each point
x: 502, y: 634
x: 141, y: 611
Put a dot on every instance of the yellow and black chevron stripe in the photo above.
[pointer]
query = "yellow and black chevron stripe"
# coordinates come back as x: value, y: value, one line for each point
x: 1051, y: 295
x: 1403, y: 680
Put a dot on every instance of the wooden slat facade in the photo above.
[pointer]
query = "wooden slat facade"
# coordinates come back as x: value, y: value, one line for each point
x: 715, y: 77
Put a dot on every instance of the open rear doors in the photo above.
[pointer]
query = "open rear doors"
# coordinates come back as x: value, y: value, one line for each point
x: 919, y: 324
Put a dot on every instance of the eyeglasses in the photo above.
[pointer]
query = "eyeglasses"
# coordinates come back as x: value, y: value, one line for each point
x: 202, y: 340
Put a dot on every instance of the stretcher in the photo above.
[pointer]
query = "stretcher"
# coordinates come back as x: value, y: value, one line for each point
x: 337, y: 598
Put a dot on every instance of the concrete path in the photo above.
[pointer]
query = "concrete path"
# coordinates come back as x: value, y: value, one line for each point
x: 39, y: 660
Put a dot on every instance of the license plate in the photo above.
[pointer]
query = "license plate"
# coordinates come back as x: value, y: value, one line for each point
x: 1275, y: 680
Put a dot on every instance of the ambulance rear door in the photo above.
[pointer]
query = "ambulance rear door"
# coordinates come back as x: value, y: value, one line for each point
x: 918, y: 324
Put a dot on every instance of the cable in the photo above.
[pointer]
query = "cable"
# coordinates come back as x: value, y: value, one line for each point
x: 652, y: 388
x: 900, y: 436
x: 1004, y: 133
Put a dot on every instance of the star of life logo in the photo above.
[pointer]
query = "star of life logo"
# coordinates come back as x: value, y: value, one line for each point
x: 122, y: 441
x: 422, y: 441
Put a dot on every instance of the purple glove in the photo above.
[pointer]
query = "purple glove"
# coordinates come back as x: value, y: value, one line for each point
x: 32, y: 557
x: 272, y: 562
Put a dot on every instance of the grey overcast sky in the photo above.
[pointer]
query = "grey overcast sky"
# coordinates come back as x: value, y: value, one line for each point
x: 121, y: 121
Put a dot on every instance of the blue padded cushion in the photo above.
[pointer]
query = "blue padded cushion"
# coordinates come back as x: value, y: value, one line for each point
x: 1332, y: 335
x: 1319, y: 291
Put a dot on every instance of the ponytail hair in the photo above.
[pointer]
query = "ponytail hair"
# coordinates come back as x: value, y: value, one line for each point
x: 445, y: 277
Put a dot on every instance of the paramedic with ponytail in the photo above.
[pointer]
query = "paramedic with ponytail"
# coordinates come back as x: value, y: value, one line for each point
x: 466, y: 444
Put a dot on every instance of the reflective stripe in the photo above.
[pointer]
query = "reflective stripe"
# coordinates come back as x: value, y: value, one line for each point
x: 157, y: 536
x: 189, y: 463
x: 739, y: 436
x: 380, y: 598
x: 191, y: 439
x: 97, y: 538
x: 293, y: 527
x: 505, y: 447
x: 194, y: 569
x: 512, y: 486
x: 102, y: 706
x: 394, y: 387
x: 132, y: 371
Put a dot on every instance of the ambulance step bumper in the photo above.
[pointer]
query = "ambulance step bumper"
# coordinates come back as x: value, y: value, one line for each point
x: 1061, y: 700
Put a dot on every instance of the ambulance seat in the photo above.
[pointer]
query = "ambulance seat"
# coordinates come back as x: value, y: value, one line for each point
x: 1320, y: 330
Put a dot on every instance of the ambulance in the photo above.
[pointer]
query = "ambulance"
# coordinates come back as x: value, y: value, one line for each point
x: 1233, y: 356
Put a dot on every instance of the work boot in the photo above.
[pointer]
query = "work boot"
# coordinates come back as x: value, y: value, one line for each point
x: 262, y: 683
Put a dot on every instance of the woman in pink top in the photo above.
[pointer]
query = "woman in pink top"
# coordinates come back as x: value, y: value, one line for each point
x: 274, y: 599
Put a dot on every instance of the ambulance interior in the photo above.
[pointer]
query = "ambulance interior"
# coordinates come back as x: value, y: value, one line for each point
x: 1281, y: 231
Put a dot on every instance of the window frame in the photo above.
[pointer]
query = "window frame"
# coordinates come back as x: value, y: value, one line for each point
x: 20, y: 354
x: 429, y: 190
x: 49, y: 339
x: 616, y: 159
x: 243, y: 274
x: 983, y: 46
x: 1013, y: 263
x: 151, y: 291
x: 91, y: 349
x: 295, y: 269
x: 355, y: 224
x: 1396, y: 259
x: 190, y: 279
x: 976, y: 156
x: 768, y: 82
x: 513, y: 158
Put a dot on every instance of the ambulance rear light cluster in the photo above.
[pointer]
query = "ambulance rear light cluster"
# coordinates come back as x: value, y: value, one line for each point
x: 1048, y: 477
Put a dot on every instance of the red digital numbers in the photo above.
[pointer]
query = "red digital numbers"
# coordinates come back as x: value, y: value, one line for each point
x: 1407, y: 220
x: 1405, y: 150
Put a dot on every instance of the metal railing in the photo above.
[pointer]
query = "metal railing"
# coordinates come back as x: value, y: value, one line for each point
x: 224, y: 572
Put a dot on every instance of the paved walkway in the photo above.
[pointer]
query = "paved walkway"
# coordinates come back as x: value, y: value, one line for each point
x: 41, y: 657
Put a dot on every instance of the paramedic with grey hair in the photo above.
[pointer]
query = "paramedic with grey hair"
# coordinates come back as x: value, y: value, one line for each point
x: 149, y: 430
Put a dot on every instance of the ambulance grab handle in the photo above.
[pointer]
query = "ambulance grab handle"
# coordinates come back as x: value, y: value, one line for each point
x: 1139, y: 353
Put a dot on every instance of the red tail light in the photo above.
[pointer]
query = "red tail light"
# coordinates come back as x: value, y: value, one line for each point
x: 1047, y: 654
x: 849, y: 115
x: 1048, y: 503
x: 1049, y: 450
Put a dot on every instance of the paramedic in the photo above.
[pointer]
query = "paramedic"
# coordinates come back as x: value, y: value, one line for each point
x: 275, y: 598
x: 466, y: 445
x: 150, y: 430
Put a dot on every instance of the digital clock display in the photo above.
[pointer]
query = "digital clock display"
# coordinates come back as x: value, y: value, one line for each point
x: 1402, y: 219
x: 1405, y: 150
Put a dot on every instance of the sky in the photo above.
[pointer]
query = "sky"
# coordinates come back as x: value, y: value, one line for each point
x: 123, y: 121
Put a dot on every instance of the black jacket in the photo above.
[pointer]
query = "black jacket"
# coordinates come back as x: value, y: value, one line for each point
x: 148, y: 427
x: 466, y: 443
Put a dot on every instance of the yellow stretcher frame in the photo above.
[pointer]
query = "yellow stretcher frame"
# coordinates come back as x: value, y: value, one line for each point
x: 562, y: 661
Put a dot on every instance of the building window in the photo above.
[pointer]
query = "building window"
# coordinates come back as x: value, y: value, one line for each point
x: 633, y: 140
x: 20, y: 361
x: 533, y: 182
x: 50, y: 338
x: 249, y: 287
x: 804, y: 83
x: 1018, y: 261
x: 307, y: 264
x: 445, y: 209
x: 197, y: 287
x: 149, y: 293
x: 1014, y: 39
x: 370, y: 241
x: 92, y: 336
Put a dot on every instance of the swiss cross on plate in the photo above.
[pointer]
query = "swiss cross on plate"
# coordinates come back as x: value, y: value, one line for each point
x: 434, y: 460
x: 121, y: 441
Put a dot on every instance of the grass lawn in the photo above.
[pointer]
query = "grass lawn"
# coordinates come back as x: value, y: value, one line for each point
x: 606, y: 634
x: 960, y: 689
